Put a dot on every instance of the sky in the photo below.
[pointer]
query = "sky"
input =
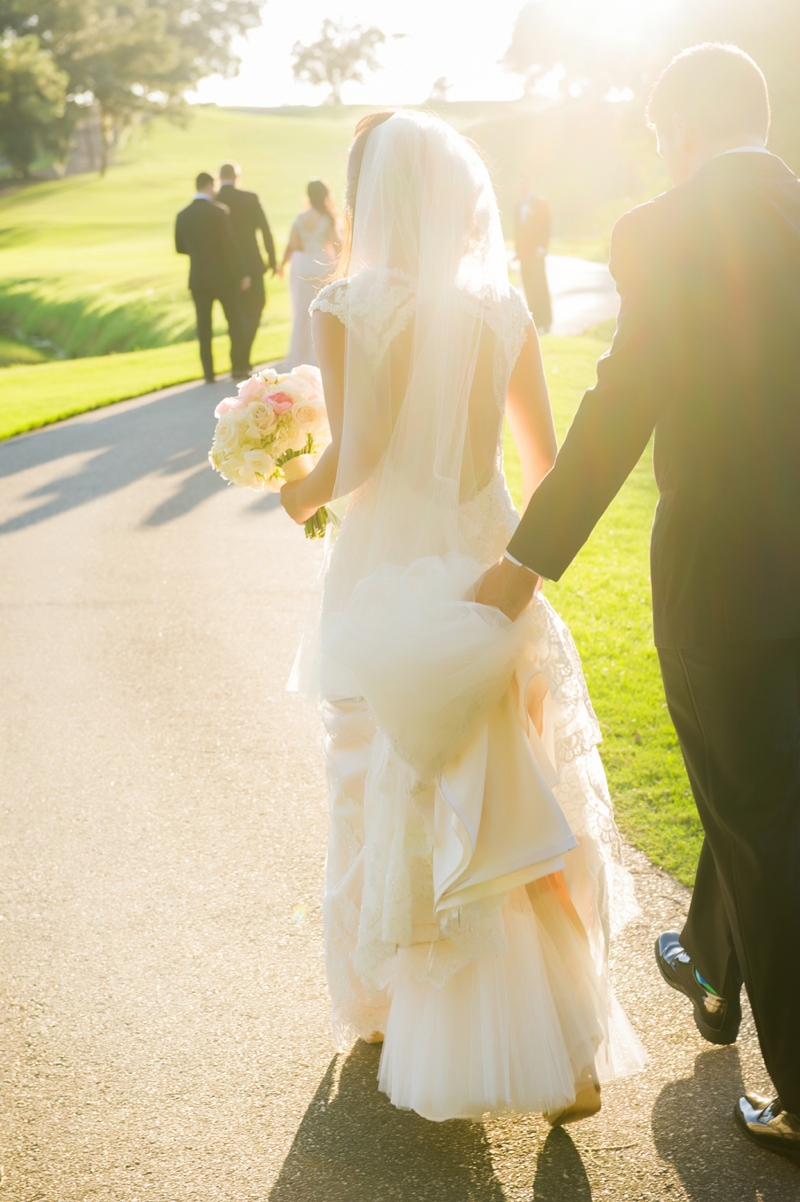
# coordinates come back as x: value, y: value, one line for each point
x: 461, y: 40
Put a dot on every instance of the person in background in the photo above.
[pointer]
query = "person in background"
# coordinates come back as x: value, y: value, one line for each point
x: 247, y: 217
x: 313, y: 249
x: 532, y: 229
x: 203, y: 231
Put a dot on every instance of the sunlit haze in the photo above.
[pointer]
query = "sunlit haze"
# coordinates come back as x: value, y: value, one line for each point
x: 461, y: 40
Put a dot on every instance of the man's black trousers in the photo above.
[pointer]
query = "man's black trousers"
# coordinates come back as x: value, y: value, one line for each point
x: 736, y: 709
x: 229, y: 298
x: 252, y: 306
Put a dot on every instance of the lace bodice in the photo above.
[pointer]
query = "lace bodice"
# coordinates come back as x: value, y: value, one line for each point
x: 380, y: 304
x: 313, y: 241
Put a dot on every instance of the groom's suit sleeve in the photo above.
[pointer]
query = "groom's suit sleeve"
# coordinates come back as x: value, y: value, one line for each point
x: 616, y: 418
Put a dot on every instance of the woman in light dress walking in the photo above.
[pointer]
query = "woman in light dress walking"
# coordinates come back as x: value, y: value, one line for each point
x: 313, y: 249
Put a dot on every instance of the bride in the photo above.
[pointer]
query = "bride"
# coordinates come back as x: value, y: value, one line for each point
x: 473, y: 878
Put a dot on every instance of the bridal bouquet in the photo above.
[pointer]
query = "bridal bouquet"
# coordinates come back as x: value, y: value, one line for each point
x: 272, y: 433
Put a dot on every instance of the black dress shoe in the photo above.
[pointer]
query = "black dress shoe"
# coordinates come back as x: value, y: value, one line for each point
x: 769, y: 1125
x: 211, y: 379
x: 716, y: 1019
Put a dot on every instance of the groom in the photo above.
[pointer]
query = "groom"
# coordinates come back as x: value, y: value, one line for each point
x: 707, y: 354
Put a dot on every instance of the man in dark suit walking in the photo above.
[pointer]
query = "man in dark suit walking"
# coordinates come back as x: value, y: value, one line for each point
x: 707, y: 353
x: 216, y: 272
x: 247, y: 217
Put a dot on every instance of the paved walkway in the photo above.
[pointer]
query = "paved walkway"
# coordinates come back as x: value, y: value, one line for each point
x: 164, y: 1028
x: 583, y: 294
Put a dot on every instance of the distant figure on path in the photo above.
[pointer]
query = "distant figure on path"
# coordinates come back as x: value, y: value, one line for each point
x: 203, y: 232
x: 313, y: 249
x: 247, y: 217
x: 533, y: 227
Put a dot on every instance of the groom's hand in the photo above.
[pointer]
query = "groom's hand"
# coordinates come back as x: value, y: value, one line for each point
x: 508, y: 587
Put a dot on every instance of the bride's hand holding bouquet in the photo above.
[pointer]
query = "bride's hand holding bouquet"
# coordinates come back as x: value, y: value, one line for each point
x: 270, y: 437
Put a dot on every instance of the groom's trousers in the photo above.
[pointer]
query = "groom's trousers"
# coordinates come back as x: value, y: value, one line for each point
x: 736, y: 709
x: 230, y: 299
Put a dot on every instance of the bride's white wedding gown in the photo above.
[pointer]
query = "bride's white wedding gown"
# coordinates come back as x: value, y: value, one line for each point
x: 443, y: 927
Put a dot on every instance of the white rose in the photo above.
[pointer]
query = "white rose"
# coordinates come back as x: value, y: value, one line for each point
x: 295, y: 438
x: 216, y: 457
x: 226, y: 436
x: 242, y: 473
x: 262, y: 418
x: 310, y: 415
x: 259, y: 462
x: 311, y: 378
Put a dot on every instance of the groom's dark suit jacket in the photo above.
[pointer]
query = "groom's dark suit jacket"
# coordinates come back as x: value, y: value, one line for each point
x: 248, y: 216
x: 707, y: 353
x: 203, y: 232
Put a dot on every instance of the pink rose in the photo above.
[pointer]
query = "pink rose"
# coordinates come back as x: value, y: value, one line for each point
x: 253, y: 389
x: 230, y: 402
x: 281, y: 402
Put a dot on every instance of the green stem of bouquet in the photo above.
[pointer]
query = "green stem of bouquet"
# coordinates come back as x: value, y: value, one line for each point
x: 317, y: 523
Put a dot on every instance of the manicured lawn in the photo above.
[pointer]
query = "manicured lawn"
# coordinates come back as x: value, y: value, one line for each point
x: 36, y: 396
x: 90, y: 264
x: 605, y: 598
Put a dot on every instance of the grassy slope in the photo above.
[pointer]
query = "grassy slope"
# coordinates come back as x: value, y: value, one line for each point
x: 89, y: 263
x: 605, y: 598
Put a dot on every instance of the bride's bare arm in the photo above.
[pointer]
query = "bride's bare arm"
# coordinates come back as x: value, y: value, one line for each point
x: 303, y: 498
x: 530, y: 416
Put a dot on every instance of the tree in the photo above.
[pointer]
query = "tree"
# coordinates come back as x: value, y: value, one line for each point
x: 439, y: 89
x: 592, y: 54
x: 135, y: 57
x: 342, y: 54
x: 32, y: 100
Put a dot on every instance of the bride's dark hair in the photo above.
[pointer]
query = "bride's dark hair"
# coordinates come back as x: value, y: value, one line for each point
x: 354, y: 160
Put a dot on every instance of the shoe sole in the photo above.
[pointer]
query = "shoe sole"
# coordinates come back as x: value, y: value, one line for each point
x: 710, y: 1034
x: 763, y: 1144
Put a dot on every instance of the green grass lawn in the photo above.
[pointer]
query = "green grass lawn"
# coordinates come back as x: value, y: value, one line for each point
x: 89, y: 263
x: 36, y: 396
x: 605, y: 598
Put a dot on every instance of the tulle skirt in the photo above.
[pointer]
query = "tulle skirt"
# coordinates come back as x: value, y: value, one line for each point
x: 511, y: 1031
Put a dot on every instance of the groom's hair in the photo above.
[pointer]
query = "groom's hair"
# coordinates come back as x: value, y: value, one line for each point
x: 202, y: 181
x: 716, y: 86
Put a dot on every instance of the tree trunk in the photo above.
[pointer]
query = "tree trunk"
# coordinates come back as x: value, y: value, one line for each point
x: 106, y: 139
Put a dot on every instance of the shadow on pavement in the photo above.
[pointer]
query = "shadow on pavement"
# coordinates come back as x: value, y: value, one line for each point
x: 354, y: 1146
x: 560, y: 1175
x: 167, y: 436
x: 694, y: 1129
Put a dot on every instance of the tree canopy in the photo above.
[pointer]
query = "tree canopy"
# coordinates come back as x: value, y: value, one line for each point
x: 131, y: 58
x: 342, y: 54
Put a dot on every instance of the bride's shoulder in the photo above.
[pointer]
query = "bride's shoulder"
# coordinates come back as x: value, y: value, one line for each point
x: 509, y: 319
x: 332, y: 299
x: 376, y: 304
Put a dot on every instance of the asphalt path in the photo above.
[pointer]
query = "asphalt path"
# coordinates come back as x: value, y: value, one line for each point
x: 582, y: 292
x: 165, y: 1033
